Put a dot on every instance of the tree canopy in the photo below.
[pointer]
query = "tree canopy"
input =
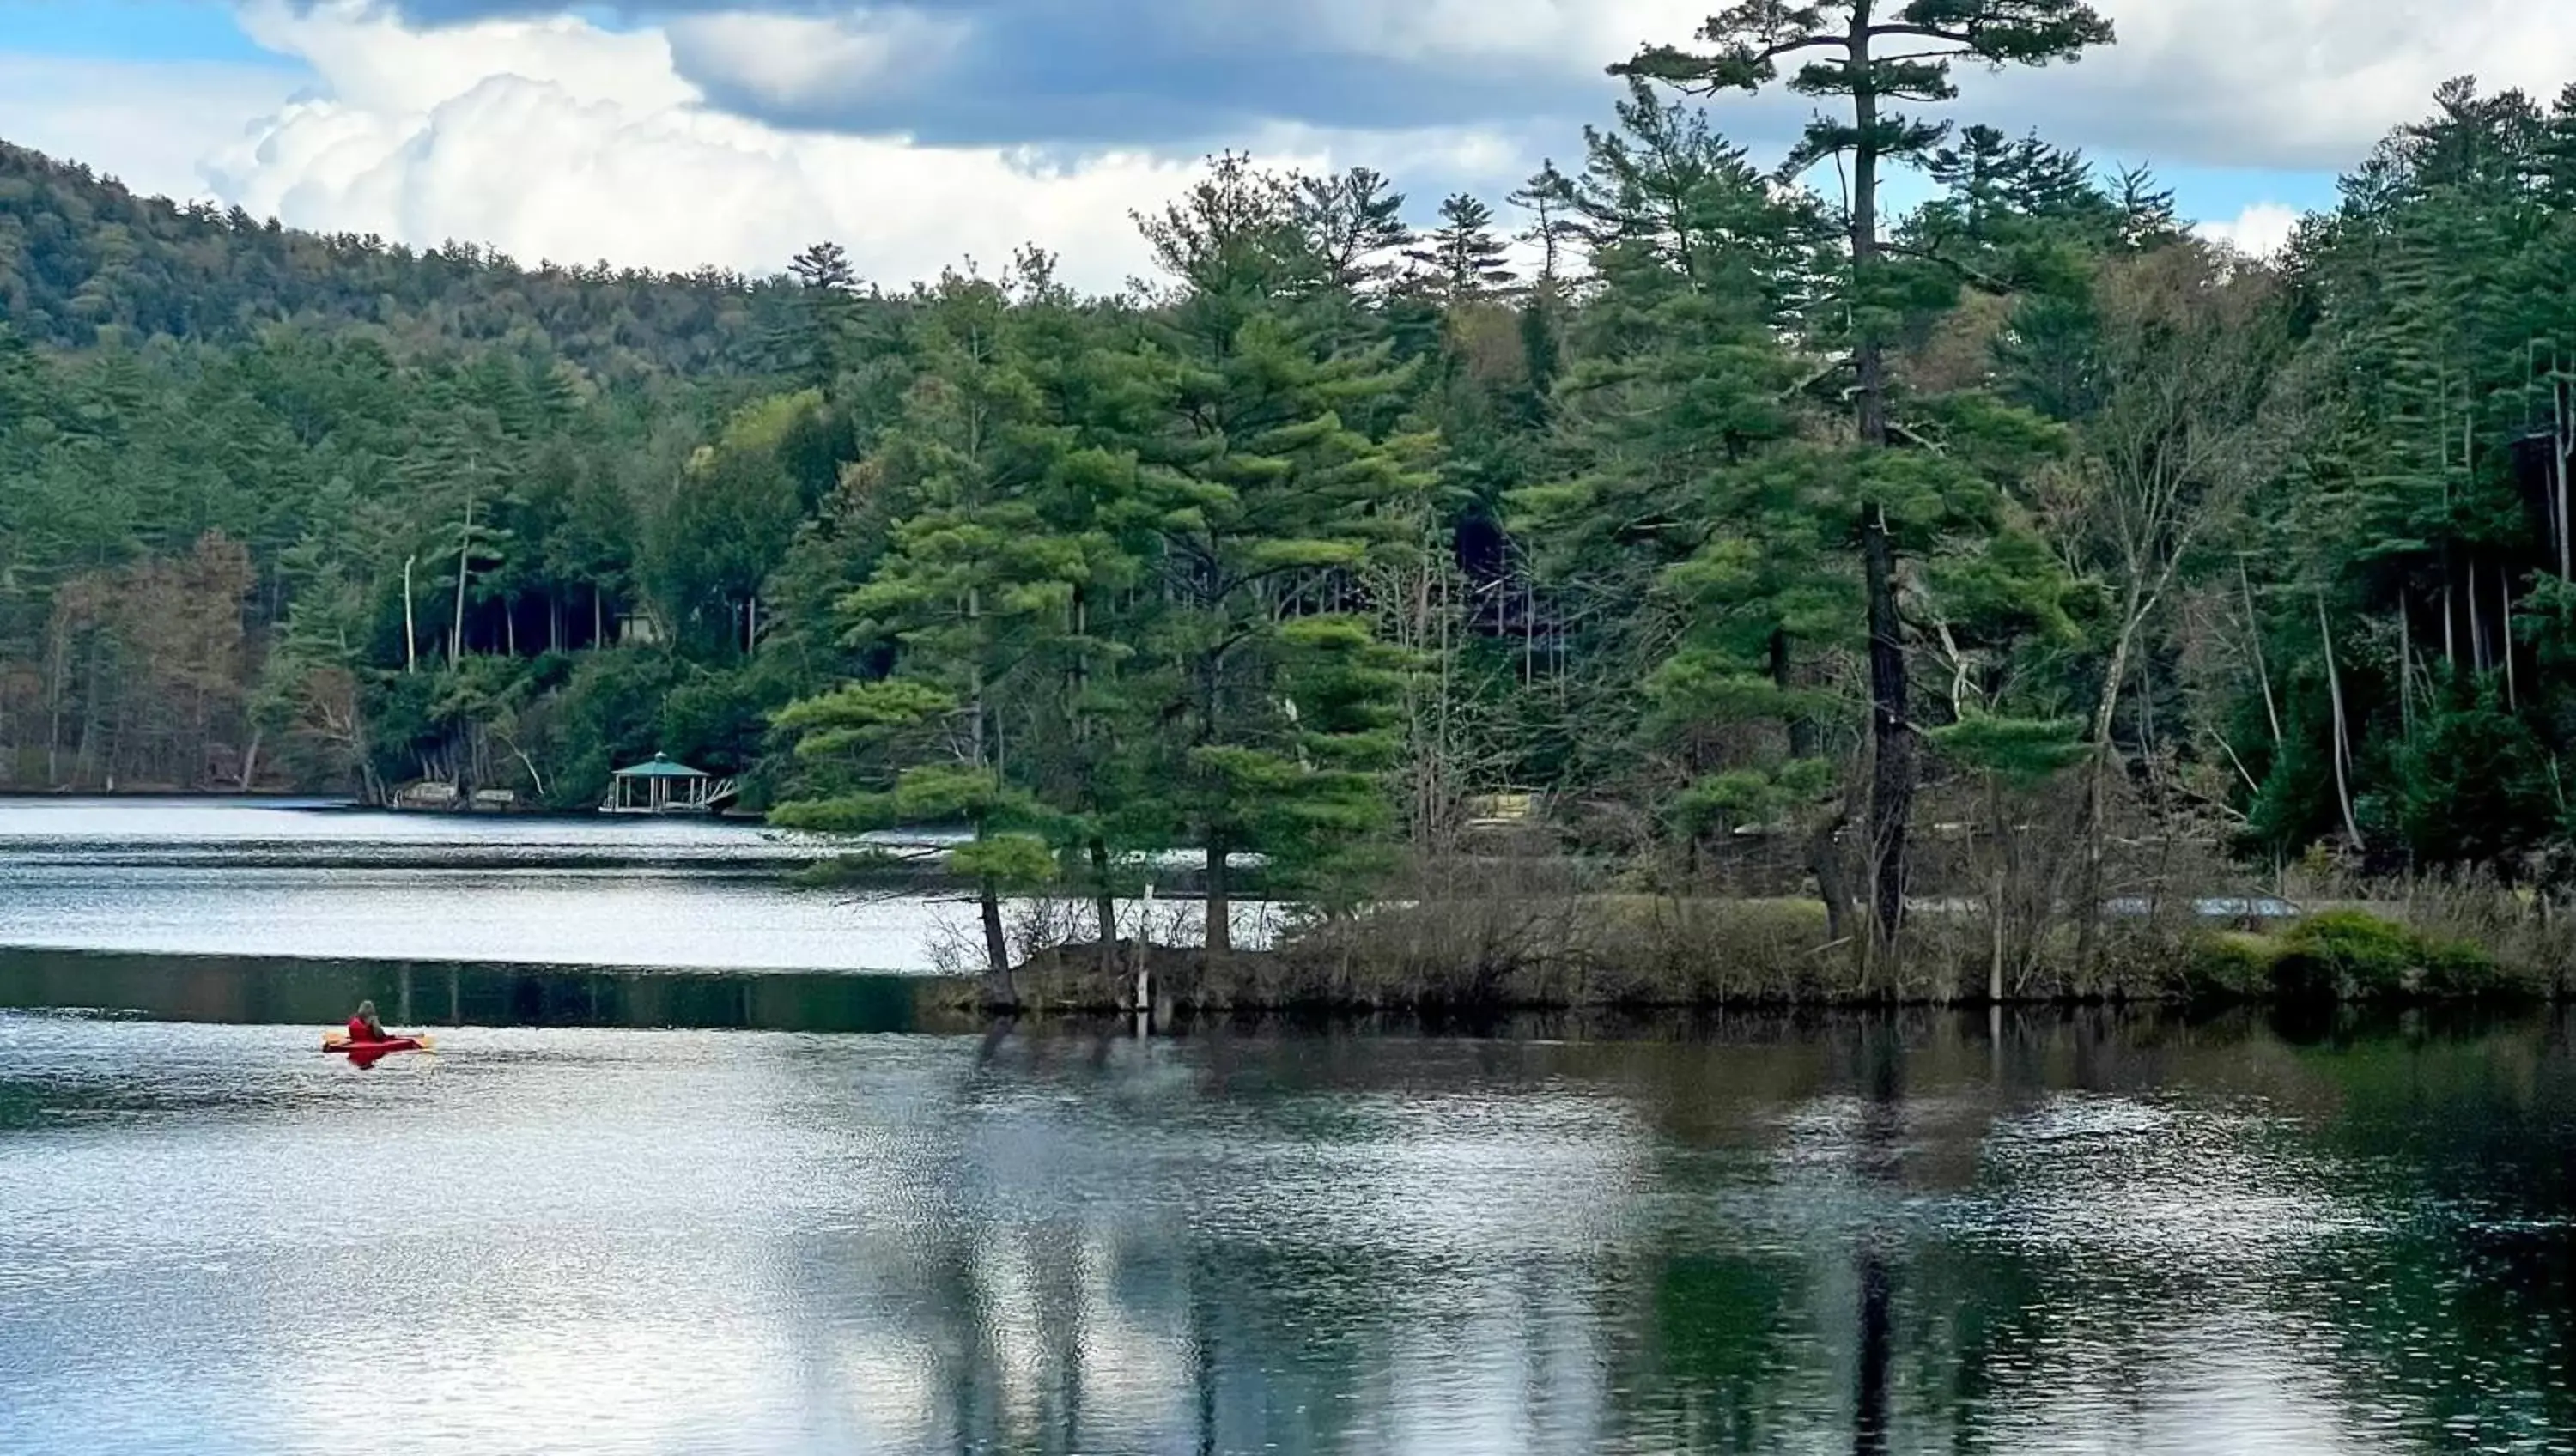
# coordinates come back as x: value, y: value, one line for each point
x: 1768, y: 541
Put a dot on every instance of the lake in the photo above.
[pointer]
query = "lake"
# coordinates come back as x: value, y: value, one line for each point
x: 1849, y: 1234
x: 779, y: 1211
x: 282, y: 878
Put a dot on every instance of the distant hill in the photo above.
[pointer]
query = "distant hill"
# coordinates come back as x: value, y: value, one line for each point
x: 81, y: 254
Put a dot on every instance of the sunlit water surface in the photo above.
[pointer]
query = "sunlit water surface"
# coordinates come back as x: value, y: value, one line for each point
x: 2089, y: 1236
x: 281, y: 878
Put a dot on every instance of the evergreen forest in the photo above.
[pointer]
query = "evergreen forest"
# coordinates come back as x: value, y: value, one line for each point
x: 1751, y: 534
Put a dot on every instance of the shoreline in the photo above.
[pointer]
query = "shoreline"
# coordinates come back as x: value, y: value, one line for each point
x: 299, y: 994
x: 1361, y: 971
x: 1540, y: 954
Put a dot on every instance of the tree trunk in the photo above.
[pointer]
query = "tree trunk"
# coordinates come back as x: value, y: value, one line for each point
x: 1893, y: 769
x: 1220, y: 906
x: 2478, y: 659
x: 2563, y: 437
x: 411, y: 624
x: 2504, y: 603
x: 1823, y: 847
x: 1893, y: 766
x: 2450, y: 614
x: 1998, y: 888
x: 1995, y: 938
x: 598, y: 618
x: 464, y: 568
x: 999, y: 994
x: 58, y: 687
x: 2405, y: 671
x: 1825, y: 862
x: 2097, y: 785
x: 1106, y: 904
x: 2559, y: 475
x: 2262, y: 668
x: 250, y: 761
x: 2343, y: 741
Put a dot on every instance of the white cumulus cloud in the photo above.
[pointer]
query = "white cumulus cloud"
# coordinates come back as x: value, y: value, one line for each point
x: 2261, y: 230
x: 559, y: 140
x: 2279, y: 84
x: 552, y: 136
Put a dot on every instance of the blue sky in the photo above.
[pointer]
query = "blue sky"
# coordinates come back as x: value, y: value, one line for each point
x: 683, y: 131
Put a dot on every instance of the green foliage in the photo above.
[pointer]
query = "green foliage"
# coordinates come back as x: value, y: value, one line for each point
x: 2473, y: 786
x: 1337, y: 528
x: 2023, y: 752
x: 1463, y: 259
x: 2352, y: 955
x: 1013, y: 861
x: 83, y: 261
x: 2231, y: 966
x: 1751, y: 797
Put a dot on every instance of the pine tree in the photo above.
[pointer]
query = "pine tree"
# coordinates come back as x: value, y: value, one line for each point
x: 1236, y: 236
x: 1463, y: 259
x: 1274, y: 697
x: 463, y: 466
x: 1666, y: 186
x: 2148, y: 218
x: 1548, y: 197
x: 819, y: 340
x: 1354, y: 227
x: 1682, y: 394
x: 977, y: 597
x: 726, y: 523
x: 1974, y: 171
x: 1871, y: 57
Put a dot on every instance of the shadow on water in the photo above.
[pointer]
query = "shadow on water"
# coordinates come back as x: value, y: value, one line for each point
x: 263, y: 991
x: 1882, y: 1133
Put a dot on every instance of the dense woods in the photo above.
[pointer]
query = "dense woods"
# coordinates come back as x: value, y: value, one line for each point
x: 2022, y: 549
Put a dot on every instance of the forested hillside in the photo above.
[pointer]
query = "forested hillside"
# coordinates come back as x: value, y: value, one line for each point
x: 83, y: 260
x: 2020, y: 547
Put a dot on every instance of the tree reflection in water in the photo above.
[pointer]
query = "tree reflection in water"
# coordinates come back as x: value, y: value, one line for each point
x: 1900, y: 1233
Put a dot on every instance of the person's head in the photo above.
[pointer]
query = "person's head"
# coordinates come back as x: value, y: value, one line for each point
x: 367, y: 1008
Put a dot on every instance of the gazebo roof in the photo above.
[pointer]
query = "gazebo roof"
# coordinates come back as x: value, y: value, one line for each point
x: 661, y: 768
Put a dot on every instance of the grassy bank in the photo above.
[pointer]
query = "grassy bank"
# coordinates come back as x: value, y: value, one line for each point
x: 1604, y: 951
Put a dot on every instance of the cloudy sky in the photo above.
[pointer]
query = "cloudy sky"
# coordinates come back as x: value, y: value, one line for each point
x: 673, y: 132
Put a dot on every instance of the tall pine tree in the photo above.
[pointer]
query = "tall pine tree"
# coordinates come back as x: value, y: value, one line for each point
x: 1874, y: 56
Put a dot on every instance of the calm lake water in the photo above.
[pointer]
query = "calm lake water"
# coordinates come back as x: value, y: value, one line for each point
x: 784, y: 1212
x: 1896, y: 1235
x: 272, y: 878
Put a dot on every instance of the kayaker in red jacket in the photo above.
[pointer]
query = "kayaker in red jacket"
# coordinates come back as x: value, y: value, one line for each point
x: 364, y: 1026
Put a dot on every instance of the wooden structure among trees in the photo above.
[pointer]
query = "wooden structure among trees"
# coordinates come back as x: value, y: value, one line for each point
x: 663, y: 787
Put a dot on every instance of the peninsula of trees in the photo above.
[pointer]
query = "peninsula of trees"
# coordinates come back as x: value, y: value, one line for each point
x: 2016, y: 549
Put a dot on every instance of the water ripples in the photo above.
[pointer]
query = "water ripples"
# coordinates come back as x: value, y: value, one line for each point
x: 213, y: 1237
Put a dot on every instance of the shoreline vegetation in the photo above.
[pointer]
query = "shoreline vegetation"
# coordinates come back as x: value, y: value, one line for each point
x: 2361, y: 958
x: 1495, y: 953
